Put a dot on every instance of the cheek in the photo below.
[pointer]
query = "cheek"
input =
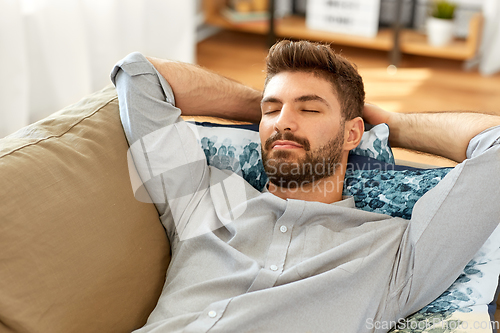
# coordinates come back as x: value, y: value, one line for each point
x: 323, y: 135
x: 265, y: 131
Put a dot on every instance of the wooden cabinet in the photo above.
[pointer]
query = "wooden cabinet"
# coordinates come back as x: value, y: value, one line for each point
x: 410, y: 41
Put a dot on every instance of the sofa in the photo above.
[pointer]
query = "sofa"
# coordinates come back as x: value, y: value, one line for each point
x: 78, y: 252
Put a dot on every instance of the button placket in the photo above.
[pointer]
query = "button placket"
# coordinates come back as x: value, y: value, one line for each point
x: 278, y: 248
x: 282, y: 237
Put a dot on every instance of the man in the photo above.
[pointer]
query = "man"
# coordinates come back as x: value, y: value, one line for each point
x: 298, y: 257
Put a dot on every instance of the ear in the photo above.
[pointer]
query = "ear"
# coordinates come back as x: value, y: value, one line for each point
x: 354, y: 129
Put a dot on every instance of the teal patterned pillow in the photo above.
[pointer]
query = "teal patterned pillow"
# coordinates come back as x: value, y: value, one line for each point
x: 391, y: 192
x: 235, y: 148
x: 375, y: 144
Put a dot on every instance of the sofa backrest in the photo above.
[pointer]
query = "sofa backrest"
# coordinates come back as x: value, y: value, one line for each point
x: 78, y: 253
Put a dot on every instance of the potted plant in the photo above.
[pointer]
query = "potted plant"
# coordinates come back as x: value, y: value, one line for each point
x: 440, y: 24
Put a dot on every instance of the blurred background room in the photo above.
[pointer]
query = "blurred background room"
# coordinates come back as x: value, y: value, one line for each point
x: 54, y: 52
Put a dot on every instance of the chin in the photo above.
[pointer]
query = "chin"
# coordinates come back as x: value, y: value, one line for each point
x: 284, y: 153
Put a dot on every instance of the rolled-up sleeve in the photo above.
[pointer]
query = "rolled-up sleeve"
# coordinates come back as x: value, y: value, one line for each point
x: 165, y: 150
x: 146, y: 99
x: 483, y: 141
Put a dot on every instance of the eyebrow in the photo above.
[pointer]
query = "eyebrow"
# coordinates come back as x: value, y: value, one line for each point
x: 305, y: 98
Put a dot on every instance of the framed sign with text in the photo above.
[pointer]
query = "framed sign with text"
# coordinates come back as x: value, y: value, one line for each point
x: 355, y: 17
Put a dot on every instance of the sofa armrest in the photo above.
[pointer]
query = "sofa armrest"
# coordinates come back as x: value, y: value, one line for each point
x: 78, y: 253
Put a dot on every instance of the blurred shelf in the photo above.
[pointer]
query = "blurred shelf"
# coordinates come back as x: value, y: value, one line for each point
x: 411, y: 41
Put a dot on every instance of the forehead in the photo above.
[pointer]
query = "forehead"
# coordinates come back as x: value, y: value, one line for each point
x: 293, y: 84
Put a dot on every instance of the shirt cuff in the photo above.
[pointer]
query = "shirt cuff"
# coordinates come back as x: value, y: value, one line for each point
x: 483, y: 141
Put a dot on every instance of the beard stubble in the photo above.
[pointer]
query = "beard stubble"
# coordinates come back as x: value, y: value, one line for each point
x: 317, y: 164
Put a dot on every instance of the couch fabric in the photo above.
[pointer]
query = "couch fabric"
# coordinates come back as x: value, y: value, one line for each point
x: 78, y: 253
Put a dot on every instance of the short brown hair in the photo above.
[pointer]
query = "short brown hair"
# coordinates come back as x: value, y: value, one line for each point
x: 320, y: 59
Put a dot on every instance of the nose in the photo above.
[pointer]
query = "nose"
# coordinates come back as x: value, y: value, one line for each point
x: 286, y: 120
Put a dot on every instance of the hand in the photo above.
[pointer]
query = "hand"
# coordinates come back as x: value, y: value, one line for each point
x: 375, y: 115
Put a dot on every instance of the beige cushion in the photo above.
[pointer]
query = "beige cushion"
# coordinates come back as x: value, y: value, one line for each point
x: 78, y: 253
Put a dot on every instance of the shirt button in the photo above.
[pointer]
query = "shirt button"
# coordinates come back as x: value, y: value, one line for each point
x: 273, y: 267
x: 212, y: 314
x: 283, y: 228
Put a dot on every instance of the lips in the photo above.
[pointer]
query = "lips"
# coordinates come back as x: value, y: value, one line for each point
x: 285, y: 144
x: 286, y: 140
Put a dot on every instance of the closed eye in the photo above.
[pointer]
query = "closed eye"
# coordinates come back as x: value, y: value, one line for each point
x: 311, y: 111
x: 271, y: 111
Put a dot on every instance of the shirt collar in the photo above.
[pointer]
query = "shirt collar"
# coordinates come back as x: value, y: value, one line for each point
x: 347, y: 200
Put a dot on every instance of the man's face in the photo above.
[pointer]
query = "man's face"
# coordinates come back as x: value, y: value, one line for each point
x: 302, y: 130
